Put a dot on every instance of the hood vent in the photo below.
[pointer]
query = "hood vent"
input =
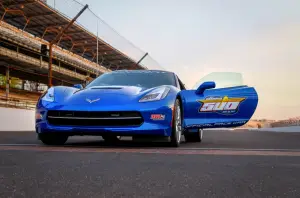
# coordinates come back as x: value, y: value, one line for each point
x: 106, y: 88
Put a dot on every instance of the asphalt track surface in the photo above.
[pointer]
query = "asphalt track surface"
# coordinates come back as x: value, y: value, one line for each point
x: 231, y: 164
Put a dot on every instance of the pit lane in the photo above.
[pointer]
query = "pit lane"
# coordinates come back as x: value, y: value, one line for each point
x: 237, y: 163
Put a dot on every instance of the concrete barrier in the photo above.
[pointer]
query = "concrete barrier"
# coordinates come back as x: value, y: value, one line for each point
x: 16, y: 119
x: 23, y: 120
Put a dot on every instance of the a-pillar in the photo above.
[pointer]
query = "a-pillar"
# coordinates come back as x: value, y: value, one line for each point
x: 7, y: 82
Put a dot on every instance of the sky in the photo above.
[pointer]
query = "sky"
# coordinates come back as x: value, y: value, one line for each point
x: 259, y: 39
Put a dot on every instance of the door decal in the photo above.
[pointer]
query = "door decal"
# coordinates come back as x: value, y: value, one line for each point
x: 226, y: 105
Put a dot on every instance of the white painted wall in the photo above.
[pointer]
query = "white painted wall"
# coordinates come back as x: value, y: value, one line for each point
x: 23, y: 120
x: 16, y: 119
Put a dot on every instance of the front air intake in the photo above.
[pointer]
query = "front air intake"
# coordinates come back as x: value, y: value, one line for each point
x: 94, y: 118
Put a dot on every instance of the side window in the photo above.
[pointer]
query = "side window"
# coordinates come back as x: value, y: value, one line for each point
x: 177, y: 81
x: 222, y: 79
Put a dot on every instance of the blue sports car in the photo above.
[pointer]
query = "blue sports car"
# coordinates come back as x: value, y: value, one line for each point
x: 141, y: 103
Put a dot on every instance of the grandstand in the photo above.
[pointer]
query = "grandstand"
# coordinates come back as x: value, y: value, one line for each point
x: 28, y: 25
x: 288, y: 122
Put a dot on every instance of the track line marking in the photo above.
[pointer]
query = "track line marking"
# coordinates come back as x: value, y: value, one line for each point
x: 162, y: 148
x: 20, y: 145
x: 156, y: 151
x: 239, y: 149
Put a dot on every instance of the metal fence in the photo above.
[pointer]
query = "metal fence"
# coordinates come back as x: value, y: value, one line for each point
x: 93, y: 23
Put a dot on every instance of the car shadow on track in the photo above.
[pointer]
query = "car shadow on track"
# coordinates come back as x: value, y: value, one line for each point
x: 88, y: 143
x: 121, y: 144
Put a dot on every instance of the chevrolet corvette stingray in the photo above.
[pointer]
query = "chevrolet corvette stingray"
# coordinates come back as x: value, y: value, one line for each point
x: 141, y: 103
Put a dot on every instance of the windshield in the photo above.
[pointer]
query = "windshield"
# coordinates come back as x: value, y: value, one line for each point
x: 147, y: 79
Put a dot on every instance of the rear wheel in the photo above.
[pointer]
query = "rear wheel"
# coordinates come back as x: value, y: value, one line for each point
x: 177, y: 125
x: 51, y: 139
x: 111, y: 138
x: 194, y: 137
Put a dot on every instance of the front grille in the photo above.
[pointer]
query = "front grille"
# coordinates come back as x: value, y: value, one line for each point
x: 94, y: 118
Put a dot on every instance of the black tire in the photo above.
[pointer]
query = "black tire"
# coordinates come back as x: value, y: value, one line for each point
x: 176, y: 127
x: 51, y: 139
x: 111, y: 138
x: 194, y: 137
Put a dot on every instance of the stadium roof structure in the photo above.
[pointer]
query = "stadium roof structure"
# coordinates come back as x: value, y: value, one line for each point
x: 38, y: 19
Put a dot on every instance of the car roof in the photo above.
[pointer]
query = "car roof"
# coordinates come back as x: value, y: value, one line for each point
x: 149, y: 70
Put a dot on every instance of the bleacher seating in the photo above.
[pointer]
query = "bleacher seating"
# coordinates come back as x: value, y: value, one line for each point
x: 34, y: 43
x: 19, y: 99
x: 289, y: 122
x: 21, y: 94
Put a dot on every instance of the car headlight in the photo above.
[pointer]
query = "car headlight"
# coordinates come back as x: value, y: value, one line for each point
x: 156, y: 94
x: 49, y: 95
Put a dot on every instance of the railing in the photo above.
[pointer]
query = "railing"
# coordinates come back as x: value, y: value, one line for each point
x: 19, y: 103
x: 13, y: 34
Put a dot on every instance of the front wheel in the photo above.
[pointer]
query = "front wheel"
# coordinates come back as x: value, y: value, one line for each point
x: 177, y: 125
x: 51, y: 139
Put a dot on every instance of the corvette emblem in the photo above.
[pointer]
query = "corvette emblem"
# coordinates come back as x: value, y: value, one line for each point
x: 91, y: 101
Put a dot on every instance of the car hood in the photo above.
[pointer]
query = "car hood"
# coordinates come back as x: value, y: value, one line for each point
x: 105, y: 95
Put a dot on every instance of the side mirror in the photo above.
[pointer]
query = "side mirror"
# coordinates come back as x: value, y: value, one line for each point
x: 78, y: 86
x: 204, y: 86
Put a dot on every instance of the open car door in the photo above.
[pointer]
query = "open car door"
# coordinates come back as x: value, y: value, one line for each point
x: 219, y: 100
